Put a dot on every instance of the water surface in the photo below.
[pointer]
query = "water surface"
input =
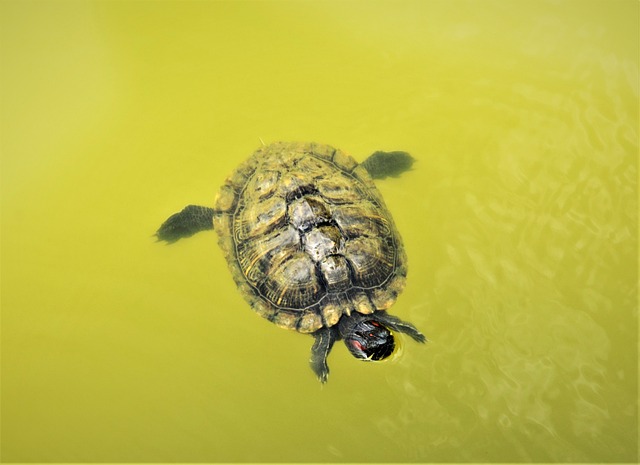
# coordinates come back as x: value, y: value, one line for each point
x: 519, y: 220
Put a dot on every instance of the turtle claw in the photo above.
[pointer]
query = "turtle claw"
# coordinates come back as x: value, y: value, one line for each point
x: 322, y: 373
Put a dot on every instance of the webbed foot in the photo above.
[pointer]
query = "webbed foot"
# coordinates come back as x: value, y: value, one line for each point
x: 383, y: 164
x: 190, y: 220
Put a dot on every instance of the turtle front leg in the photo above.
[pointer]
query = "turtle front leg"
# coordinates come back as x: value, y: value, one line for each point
x: 325, y: 338
x: 397, y: 324
x: 192, y: 219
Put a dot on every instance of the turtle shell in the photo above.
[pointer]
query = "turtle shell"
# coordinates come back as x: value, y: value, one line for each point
x: 308, y: 237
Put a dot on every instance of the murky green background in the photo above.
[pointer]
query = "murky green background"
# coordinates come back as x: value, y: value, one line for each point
x: 520, y: 223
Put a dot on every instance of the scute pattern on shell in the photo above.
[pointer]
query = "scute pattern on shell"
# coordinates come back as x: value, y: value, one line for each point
x: 308, y: 237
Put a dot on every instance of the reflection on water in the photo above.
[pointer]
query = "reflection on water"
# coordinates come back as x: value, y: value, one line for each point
x: 519, y: 219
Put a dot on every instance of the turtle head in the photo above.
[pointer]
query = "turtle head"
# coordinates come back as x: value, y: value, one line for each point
x: 370, y: 340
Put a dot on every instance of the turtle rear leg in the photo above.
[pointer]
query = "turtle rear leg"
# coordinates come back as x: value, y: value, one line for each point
x: 325, y: 338
x: 192, y: 219
x: 383, y: 164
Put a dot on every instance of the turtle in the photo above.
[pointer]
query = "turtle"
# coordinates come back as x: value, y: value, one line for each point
x: 311, y: 245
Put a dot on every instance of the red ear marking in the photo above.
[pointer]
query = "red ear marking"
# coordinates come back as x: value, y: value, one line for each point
x: 357, y: 345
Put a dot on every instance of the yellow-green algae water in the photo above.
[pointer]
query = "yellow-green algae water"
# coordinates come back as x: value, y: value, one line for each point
x: 519, y: 220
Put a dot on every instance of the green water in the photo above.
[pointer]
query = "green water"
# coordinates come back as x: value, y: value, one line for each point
x: 519, y: 221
